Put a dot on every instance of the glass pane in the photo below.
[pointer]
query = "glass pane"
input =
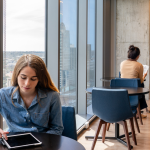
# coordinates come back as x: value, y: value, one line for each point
x: 24, y: 33
x: 68, y: 52
x: 90, y: 51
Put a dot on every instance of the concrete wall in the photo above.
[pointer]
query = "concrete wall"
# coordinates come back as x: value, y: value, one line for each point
x: 132, y: 27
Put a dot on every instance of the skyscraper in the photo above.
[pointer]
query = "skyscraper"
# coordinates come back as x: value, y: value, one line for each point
x: 64, y: 56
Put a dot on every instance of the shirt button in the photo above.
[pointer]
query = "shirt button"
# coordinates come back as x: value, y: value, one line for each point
x: 27, y: 113
x: 29, y: 120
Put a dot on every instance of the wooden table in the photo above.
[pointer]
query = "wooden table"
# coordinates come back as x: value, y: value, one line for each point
x: 52, y: 142
x: 131, y: 92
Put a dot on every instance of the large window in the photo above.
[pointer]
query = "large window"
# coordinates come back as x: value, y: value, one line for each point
x: 90, y: 51
x: 24, y: 33
x: 68, y: 52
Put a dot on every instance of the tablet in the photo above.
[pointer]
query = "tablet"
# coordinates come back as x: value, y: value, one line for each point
x: 21, y: 140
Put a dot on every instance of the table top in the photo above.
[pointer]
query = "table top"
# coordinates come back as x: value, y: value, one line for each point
x: 108, y: 79
x: 52, y: 142
x: 131, y: 91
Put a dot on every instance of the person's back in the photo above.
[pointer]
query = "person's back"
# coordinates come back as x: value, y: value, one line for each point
x: 131, y: 69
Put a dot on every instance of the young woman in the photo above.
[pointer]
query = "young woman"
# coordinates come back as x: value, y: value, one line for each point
x: 130, y: 68
x: 32, y: 103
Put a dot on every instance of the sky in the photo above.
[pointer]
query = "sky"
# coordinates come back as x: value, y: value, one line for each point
x: 69, y: 10
x: 25, y: 25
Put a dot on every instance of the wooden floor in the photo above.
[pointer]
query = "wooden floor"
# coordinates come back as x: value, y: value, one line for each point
x: 143, y: 138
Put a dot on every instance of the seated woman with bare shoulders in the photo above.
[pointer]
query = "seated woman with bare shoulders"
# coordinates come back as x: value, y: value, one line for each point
x: 32, y: 103
x: 130, y: 68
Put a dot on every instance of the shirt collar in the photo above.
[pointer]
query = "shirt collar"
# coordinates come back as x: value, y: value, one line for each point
x: 16, y: 95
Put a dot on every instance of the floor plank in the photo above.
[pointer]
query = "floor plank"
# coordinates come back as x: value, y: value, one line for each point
x: 143, y: 138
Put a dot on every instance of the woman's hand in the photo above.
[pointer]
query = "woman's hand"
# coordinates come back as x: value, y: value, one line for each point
x: 4, y: 134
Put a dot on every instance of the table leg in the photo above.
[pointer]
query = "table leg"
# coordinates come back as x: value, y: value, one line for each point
x: 119, y: 137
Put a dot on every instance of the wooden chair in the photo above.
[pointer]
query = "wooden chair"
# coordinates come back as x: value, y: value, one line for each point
x: 113, y: 106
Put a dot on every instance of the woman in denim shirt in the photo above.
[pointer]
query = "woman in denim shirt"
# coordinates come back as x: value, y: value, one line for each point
x: 32, y: 103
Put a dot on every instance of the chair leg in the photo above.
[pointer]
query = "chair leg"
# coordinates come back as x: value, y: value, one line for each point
x: 108, y: 125
x: 104, y: 132
x: 97, y: 133
x: 124, y: 123
x: 133, y: 131
x: 139, y: 113
x: 136, y: 124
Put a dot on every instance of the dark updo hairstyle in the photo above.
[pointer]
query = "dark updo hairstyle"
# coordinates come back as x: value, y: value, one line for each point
x: 133, y: 52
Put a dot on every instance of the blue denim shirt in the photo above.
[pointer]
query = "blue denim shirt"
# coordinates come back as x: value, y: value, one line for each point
x: 44, y: 115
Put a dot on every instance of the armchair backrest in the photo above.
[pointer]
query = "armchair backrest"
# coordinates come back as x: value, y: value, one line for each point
x: 69, y: 122
x: 125, y: 82
x: 111, y: 105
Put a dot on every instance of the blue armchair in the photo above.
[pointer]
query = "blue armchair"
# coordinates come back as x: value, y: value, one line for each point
x: 69, y: 122
x: 112, y: 106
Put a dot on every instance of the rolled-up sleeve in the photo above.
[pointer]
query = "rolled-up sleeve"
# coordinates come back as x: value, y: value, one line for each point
x: 55, y: 118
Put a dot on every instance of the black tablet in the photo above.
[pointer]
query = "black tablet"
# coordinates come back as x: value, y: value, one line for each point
x: 21, y: 140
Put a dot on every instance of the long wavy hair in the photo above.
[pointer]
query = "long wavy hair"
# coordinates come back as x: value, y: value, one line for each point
x: 38, y: 65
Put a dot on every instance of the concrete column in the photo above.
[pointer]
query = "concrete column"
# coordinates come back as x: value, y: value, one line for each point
x: 132, y: 27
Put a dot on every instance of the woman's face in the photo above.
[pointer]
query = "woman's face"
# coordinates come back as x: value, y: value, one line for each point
x: 27, y: 80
